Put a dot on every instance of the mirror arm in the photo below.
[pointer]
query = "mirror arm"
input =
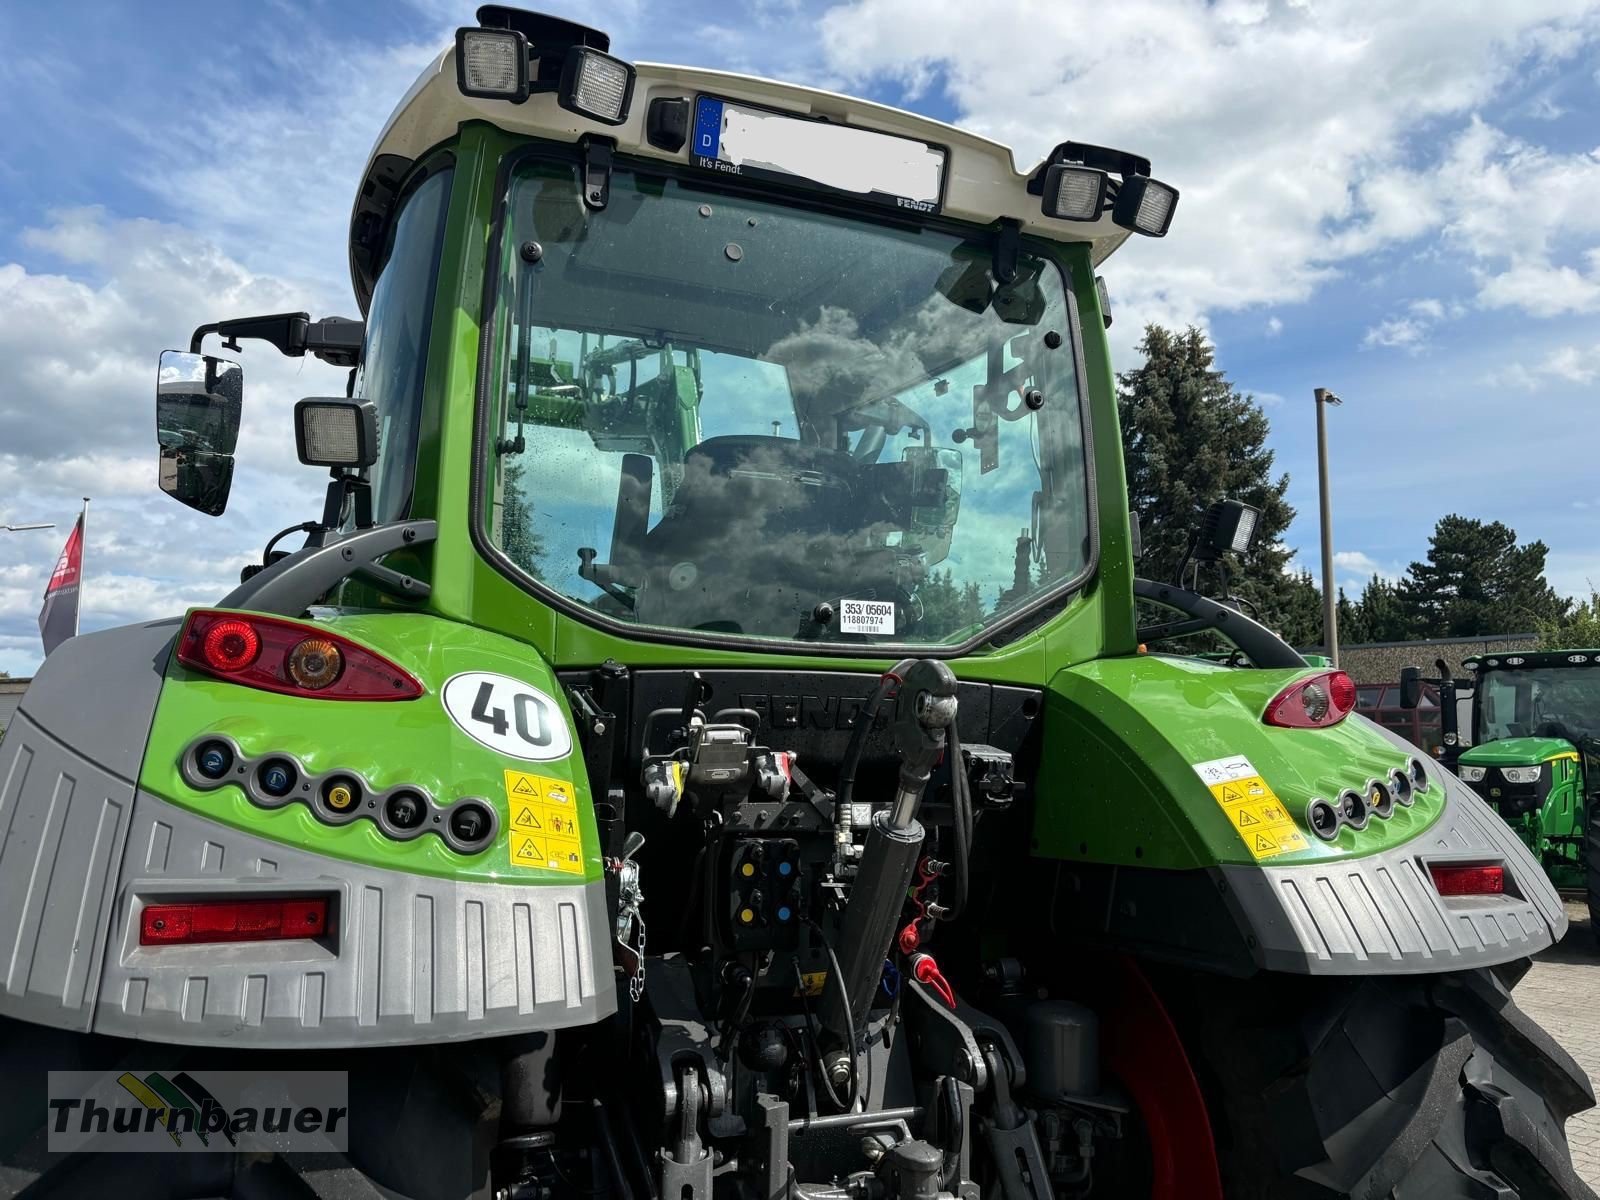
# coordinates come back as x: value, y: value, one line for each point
x: 335, y: 340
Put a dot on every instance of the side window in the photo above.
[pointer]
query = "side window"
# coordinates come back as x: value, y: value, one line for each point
x: 398, y: 325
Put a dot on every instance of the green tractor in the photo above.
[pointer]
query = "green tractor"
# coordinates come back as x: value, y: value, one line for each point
x: 1534, y: 755
x: 703, y: 748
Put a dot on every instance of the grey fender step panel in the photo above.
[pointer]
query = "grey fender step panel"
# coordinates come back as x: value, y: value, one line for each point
x: 1382, y: 915
x: 417, y: 959
x: 68, y: 764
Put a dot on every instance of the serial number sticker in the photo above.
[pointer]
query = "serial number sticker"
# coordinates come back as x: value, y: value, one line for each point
x: 1257, y: 815
x: 866, y: 616
x: 544, y: 823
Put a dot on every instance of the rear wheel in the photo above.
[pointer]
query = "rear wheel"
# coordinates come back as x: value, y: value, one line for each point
x: 1383, y: 1087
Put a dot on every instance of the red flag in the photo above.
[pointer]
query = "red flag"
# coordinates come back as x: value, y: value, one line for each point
x: 58, y: 619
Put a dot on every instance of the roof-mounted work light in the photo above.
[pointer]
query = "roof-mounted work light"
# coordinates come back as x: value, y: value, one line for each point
x: 1145, y: 206
x: 595, y: 85
x: 492, y: 64
x: 1075, y: 193
x: 1078, y: 181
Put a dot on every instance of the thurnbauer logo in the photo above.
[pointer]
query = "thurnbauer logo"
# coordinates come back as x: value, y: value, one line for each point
x: 179, y: 1104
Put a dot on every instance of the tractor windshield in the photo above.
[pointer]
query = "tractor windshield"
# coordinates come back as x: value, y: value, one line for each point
x: 1561, y: 702
x: 726, y: 416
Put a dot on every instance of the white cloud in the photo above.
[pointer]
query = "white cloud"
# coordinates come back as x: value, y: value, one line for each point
x: 1288, y: 128
x: 1274, y: 326
x: 1569, y: 364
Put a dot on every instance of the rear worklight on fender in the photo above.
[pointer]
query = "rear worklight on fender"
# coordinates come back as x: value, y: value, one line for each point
x: 1469, y: 880
x: 289, y: 657
x: 232, y: 921
x: 1313, y: 703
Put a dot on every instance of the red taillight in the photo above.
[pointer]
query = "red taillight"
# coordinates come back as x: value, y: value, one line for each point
x: 290, y: 657
x: 232, y: 921
x: 230, y: 646
x: 1313, y: 703
x: 1469, y: 880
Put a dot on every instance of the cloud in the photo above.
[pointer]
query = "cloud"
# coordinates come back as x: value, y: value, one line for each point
x: 1579, y: 365
x: 1288, y: 167
x: 1274, y: 326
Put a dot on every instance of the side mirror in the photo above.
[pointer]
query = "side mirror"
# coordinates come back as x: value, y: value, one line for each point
x: 198, y: 403
x: 1410, y: 687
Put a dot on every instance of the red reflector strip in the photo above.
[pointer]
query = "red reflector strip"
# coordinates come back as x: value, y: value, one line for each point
x: 232, y: 921
x: 1469, y: 881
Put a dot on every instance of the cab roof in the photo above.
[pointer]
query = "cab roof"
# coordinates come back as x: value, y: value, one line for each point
x: 982, y: 182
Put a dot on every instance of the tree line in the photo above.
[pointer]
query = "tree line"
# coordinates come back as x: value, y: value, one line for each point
x: 1191, y: 438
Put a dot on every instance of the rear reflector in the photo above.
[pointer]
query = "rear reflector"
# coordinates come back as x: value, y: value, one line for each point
x: 232, y: 921
x: 1469, y: 881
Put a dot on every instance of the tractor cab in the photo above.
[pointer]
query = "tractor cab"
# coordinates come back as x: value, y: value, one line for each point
x: 1536, y: 750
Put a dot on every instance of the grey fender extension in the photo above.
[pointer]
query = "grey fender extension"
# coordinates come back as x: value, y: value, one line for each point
x: 1382, y: 915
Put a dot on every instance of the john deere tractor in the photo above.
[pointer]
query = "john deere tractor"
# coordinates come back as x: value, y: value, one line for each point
x: 703, y: 748
x: 1535, y: 755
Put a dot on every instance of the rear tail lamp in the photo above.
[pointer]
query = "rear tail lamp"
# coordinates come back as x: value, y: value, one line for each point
x: 1314, y: 702
x: 285, y: 656
x: 232, y: 921
x: 1476, y: 880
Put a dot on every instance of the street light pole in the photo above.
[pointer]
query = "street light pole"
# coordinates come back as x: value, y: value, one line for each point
x: 1330, y: 600
x: 20, y: 528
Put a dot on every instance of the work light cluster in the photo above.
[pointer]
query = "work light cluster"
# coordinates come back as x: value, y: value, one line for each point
x: 1379, y: 798
x: 338, y: 797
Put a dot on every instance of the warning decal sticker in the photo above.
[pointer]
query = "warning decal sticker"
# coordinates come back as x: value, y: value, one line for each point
x: 545, y: 833
x: 1261, y: 820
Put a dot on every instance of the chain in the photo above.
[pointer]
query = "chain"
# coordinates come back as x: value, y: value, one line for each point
x: 636, y: 983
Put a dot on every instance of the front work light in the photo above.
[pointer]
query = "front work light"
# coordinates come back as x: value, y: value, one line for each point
x: 1145, y: 205
x: 1074, y: 193
x: 595, y: 85
x: 492, y: 64
x: 336, y: 432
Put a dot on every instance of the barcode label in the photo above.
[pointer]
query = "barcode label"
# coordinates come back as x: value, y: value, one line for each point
x: 866, y: 616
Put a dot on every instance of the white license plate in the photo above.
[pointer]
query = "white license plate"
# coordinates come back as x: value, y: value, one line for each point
x: 739, y: 139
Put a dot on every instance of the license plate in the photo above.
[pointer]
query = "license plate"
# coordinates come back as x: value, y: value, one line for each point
x: 759, y: 143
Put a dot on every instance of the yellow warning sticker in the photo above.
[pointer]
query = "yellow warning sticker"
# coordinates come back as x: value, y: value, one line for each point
x: 812, y: 983
x: 545, y: 829
x: 1255, y: 812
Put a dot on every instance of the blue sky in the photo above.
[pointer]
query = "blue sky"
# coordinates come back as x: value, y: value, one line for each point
x: 1394, y: 201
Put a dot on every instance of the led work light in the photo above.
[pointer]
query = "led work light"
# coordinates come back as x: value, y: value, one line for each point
x: 595, y: 85
x: 1145, y: 205
x: 1228, y: 527
x: 1074, y: 193
x: 336, y: 432
x: 492, y: 64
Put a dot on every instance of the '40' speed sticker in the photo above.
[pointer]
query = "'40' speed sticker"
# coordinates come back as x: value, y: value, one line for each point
x: 508, y: 716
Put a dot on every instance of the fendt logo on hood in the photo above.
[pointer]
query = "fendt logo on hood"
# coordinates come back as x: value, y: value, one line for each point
x: 178, y: 1111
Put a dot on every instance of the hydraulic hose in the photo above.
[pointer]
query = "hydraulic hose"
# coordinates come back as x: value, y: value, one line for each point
x: 962, y: 822
x: 864, y: 722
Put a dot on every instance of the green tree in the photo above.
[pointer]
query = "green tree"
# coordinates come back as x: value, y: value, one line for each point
x: 947, y: 607
x: 1299, y: 614
x: 1478, y: 580
x: 1577, y: 630
x: 1190, y: 438
x: 1352, y: 621
x: 1382, y: 616
x: 518, y: 538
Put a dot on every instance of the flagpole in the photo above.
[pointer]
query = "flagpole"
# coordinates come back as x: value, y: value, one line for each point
x: 83, y: 546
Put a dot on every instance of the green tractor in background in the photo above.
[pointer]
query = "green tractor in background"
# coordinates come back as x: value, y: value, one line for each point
x: 1534, y: 754
x: 705, y: 746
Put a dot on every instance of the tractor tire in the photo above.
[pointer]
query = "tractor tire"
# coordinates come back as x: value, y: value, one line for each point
x: 1434, y: 1086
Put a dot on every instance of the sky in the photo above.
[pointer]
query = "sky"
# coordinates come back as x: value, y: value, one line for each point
x: 1399, y: 202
